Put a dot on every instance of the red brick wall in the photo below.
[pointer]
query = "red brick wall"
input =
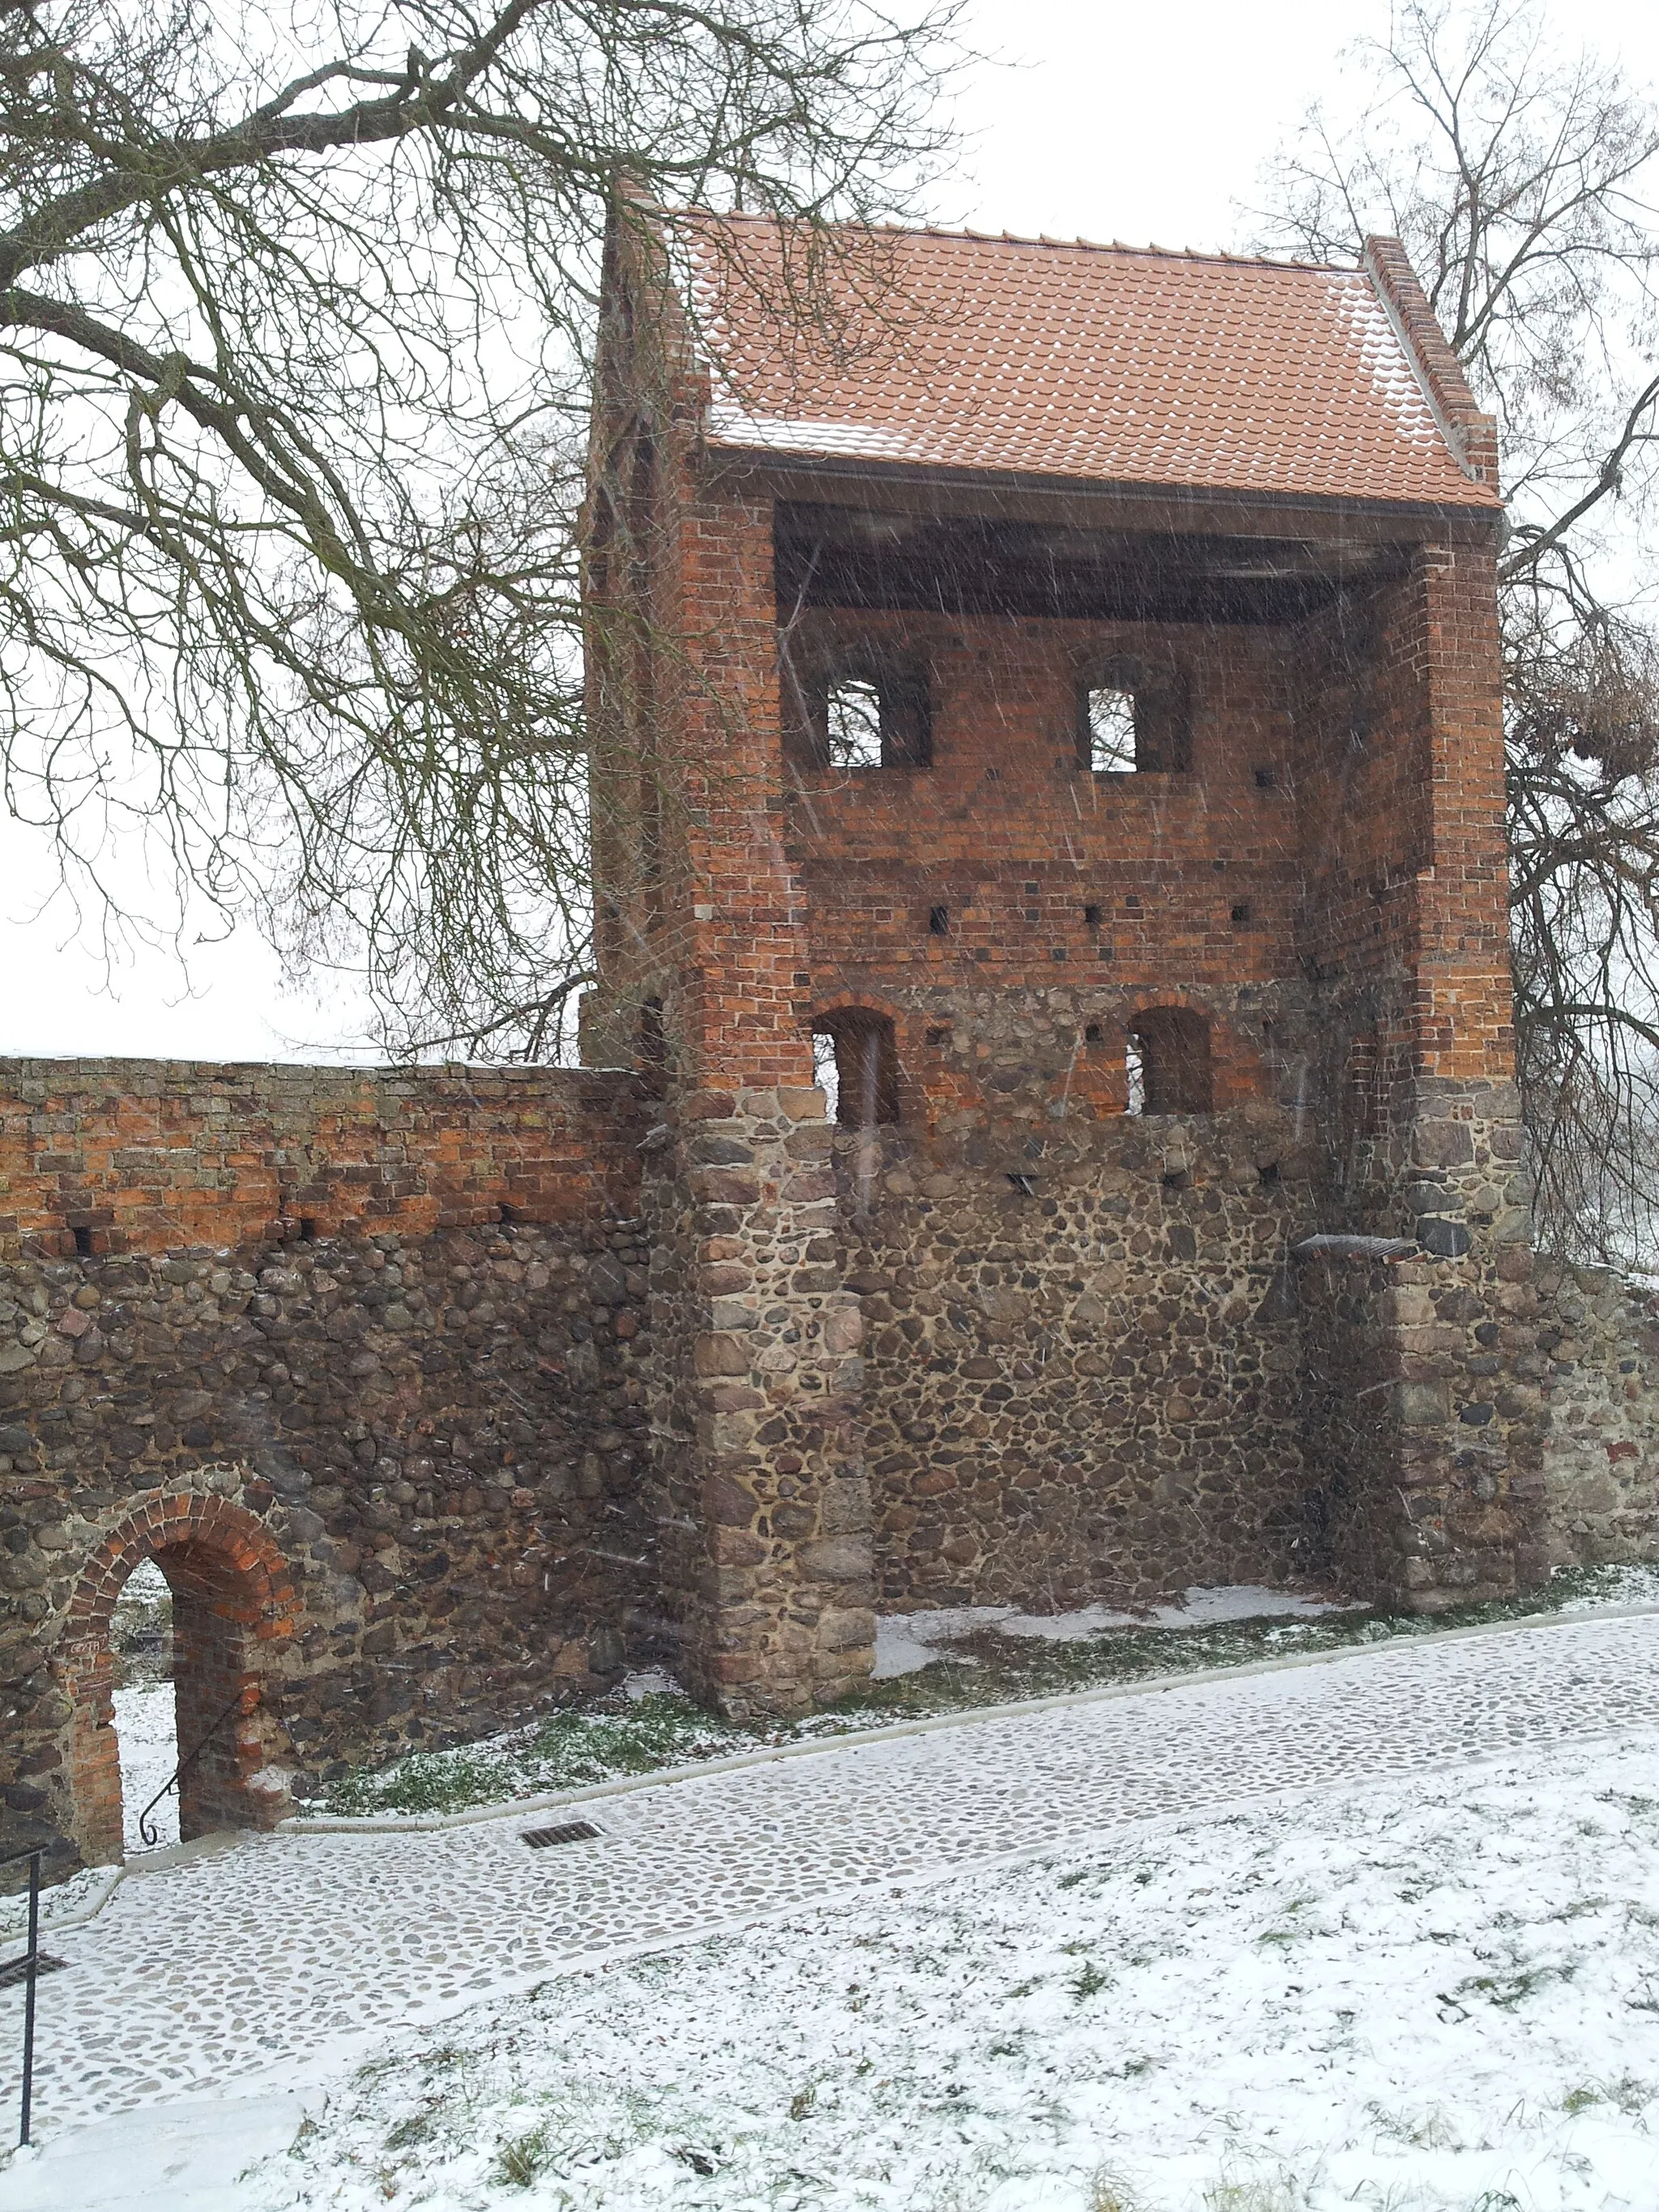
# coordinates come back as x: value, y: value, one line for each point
x: 1005, y: 832
x: 147, y: 1155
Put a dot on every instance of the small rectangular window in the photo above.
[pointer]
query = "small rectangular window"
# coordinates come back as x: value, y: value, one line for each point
x: 938, y: 920
x: 854, y: 726
x: 1092, y: 916
x: 1111, y: 716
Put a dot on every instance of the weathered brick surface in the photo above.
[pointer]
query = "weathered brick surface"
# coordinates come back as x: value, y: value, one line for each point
x: 141, y: 1156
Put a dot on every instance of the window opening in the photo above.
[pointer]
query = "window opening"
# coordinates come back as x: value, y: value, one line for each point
x: 1111, y: 716
x: 825, y: 1073
x: 82, y: 1237
x: 939, y: 921
x: 853, y: 721
x: 857, y: 711
x: 1267, y: 779
x: 1135, y: 1068
x: 146, y: 1703
x: 855, y: 1058
x: 1168, y: 1062
x: 1132, y: 719
x: 1091, y: 916
x: 1093, y: 1034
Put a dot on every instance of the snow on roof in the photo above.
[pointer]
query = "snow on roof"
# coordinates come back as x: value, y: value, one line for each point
x: 1110, y: 364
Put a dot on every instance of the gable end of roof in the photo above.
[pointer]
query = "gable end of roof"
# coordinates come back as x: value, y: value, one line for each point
x: 1471, y: 433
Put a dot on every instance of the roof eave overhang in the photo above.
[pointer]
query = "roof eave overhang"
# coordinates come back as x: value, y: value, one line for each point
x: 1016, y: 495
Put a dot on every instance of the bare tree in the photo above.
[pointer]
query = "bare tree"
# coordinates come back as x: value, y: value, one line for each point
x: 1520, y: 183
x: 296, y: 308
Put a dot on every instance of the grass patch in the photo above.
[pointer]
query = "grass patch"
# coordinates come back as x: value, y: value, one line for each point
x: 579, y: 1746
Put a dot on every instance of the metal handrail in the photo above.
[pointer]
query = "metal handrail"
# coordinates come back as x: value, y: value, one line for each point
x: 148, y: 1834
x: 31, y: 1964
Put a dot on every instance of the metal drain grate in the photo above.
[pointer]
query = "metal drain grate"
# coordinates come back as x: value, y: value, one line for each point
x: 16, y: 1970
x: 573, y: 1831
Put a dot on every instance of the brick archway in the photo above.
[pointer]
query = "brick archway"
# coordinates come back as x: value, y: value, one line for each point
x: 234, y: 1600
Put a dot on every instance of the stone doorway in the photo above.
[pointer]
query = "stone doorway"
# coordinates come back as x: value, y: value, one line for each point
x: 233, y: 1602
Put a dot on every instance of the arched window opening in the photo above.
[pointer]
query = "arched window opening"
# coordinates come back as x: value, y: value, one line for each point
x: 146, y: 1704
x: 859, y: 711
x: 856, y: 1066
x: 1132, y: 719
x: 1168, y: 1062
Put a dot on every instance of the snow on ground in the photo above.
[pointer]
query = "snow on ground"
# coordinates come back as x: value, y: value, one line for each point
x: 1433, y: 1996
x: 908, y: 1641
x: 1632, y: 1584
x: 146, y: 1728
x: 146, y: 1720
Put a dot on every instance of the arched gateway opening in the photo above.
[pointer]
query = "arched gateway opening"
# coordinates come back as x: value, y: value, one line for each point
x: 233, y: 1603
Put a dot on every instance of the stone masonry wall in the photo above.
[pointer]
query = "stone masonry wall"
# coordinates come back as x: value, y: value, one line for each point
x: 760, y: 1484
x: 1598, y: 1336
x: 1084, y: 1382
x: 443, y: 1438
x: 433, y: 1437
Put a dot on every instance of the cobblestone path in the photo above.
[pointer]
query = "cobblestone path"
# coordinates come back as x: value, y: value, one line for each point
x: 221, y: 1970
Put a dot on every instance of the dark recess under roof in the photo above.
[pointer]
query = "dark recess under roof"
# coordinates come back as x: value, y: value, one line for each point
x: 830, y: 556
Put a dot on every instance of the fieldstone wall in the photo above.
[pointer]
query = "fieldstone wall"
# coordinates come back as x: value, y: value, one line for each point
x: 1425, y: 1399
x: 441, y: 1436
x: 1598, y: 1337
x: 1083, y: 1367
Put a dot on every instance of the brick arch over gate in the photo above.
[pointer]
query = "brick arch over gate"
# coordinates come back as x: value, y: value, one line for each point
x: 235, y: 1603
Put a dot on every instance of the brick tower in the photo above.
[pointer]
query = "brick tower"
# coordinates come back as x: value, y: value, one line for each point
x: 1048, y: 816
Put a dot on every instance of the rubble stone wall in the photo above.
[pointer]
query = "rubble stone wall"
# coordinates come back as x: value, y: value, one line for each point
x: 1082, y: 1364
x: 437, y: 1439
x: 1598, y: 1337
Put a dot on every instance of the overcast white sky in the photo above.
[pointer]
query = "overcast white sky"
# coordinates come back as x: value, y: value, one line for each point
x: 1137, y: 122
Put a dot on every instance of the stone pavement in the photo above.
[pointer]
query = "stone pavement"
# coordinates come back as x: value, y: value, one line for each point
x: 255, y: 1959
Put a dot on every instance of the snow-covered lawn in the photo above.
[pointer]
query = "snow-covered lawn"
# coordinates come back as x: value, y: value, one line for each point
x: 1441, y: 1994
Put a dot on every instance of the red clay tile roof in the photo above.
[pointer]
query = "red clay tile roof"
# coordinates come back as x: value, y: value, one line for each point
x: 1104, y: 363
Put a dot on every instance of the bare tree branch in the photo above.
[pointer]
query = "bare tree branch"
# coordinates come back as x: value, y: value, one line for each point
x: 1521, y: 184
x: 296, y: 309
